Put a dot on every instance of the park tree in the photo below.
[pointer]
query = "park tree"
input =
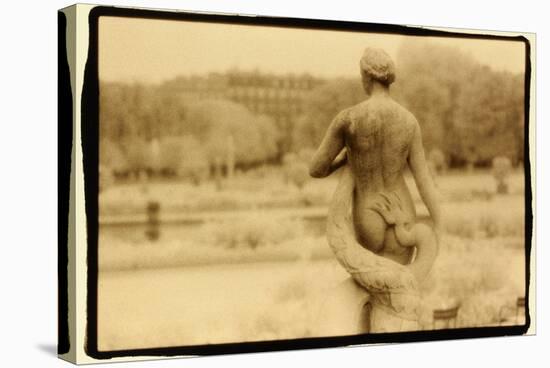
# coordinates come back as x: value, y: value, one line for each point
x: 288, y: 160
x: 112, y: 157
x: 140, y: 118
x: 138, y: 155
x: 299, y: 173
x: 487, y: 118
x: 501, y: 170
x: 321, y: 105
x: 167, y: 114
x: 212, y: 121
x: 296, y: 167
x: 128, y: 114
x: 516, y: 115
x: 139, y: 110
x: 121, y: 110
x: 111, y: 116
x: 185, y: 157
x: 429, y: 80
x: 269, y: 135
x: 452, y: 95
x: 106, y: 178
x: 437, y: 161
x: 429, y: 104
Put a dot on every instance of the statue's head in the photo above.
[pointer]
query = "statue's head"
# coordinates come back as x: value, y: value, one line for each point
x: 376, y: 65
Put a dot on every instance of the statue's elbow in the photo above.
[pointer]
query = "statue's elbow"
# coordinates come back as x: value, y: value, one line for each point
x: 317, y: 172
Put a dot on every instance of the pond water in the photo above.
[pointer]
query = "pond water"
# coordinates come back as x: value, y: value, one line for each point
x: 313, y: 226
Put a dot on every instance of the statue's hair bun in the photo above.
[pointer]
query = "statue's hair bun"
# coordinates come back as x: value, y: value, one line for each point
x: 378, y: 64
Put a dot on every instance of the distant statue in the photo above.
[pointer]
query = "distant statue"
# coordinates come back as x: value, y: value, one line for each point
x: 372, y: 225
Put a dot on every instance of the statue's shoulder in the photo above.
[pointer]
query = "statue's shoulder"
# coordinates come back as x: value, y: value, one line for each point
x: 407, y: 117
x: 343, y: 118
x: 348, y: 114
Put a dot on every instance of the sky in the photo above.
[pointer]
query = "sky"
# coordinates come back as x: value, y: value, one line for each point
x: 152, y: 51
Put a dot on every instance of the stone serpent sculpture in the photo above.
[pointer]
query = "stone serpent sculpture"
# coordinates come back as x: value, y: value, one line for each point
x: 392, y: 287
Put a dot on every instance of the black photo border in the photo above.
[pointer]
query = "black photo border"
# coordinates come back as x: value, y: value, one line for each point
x: 90, y: 147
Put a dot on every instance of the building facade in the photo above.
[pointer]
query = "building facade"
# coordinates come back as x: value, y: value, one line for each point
x: 280, y: 97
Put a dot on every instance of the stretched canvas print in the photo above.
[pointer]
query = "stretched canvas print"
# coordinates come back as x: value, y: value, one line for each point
x: 232, y: 184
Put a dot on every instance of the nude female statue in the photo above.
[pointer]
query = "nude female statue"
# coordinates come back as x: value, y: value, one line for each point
x: 375, y: 141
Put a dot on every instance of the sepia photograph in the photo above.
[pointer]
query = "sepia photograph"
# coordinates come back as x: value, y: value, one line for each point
x: 270, y: 182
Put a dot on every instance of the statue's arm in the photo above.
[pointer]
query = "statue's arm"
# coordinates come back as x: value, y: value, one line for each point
x: 331, y: 154
x: 423, y: 179
x: 339, y: 161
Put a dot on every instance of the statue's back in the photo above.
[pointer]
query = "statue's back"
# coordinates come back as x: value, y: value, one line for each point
x: 378, y: 139
x: 379, y: 136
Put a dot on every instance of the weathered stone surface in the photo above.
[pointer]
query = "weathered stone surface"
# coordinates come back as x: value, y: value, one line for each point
x: 371, y: 223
